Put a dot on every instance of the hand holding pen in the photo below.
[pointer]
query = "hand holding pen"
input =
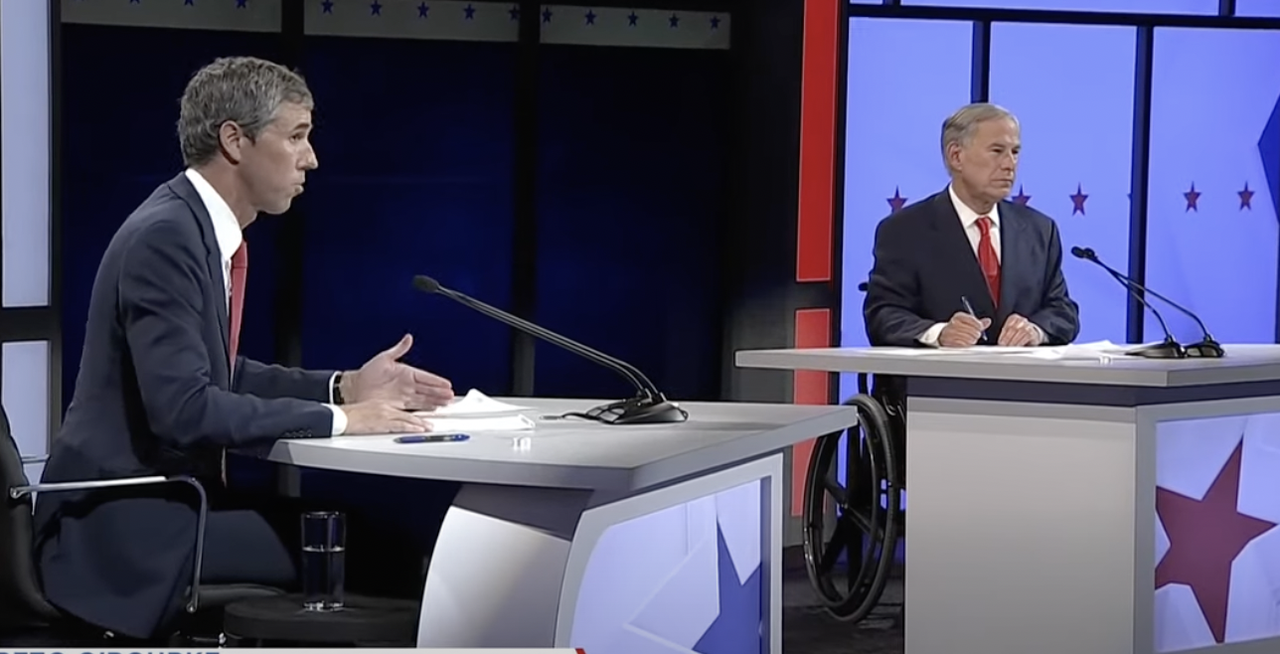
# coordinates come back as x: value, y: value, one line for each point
x: 965, y: 328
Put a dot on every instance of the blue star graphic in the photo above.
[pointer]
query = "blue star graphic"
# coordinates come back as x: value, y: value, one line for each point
x: 470, y: 11
x: 737, y: 626
x: 674, y: 20
x: 328, y: 6
x: 422, y: 10
x: 715, y: 22
x: 189, y: 3
x: 631, y: 20
x: 241, y: 4
x: 375, y: 9
x: 515, y: 12
x: 135, y: 2
x: 591, y: 17
x: 546, y: 15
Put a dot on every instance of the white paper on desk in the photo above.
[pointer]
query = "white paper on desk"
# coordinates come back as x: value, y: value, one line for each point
x: 1038, y: 351
x: 474, y: 403
x: 1097, y: 351
x: 517, y: 422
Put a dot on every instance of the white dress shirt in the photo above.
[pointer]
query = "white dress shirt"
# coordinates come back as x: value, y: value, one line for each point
x: 226, y: 230
x: 969, y: 219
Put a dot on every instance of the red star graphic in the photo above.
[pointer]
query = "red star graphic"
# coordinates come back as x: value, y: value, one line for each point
x: 1205, y: 536
x: 1246, y: 198
x: 897, y: 201
x: 1021, y: 198
x: 1078, y: 199
x: 1192, y: 197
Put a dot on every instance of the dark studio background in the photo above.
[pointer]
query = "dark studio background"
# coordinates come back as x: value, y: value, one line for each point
x: 639, y: 199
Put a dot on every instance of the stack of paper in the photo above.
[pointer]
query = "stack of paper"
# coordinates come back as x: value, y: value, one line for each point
x: 477, y: 412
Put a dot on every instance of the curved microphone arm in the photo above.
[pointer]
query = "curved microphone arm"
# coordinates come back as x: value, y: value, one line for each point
x: 626, y: 370
x: 1089, y: 254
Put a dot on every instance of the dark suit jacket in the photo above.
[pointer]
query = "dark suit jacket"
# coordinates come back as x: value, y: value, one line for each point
x: 924, y: 264
x: 154, y: 397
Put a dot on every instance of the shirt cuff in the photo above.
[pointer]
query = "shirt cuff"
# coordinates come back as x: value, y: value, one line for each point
x: 332, y: 378
x: 339, y: 419
x: 930, y: 335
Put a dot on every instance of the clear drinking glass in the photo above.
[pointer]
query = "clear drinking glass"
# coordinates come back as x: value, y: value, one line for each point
x: 324, y: 545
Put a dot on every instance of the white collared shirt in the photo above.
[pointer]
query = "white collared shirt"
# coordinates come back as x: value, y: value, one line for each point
x: 969, y: 221
x: 226, y: 231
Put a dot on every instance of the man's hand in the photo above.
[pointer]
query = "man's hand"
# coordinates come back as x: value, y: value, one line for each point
x: 385, y: 378
x: 1018, y: 332
x: 382, y: 417
x: 963, y: 330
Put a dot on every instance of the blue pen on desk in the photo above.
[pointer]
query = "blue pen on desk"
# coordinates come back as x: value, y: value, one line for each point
x: 969, y: 307
x: 432, y: 438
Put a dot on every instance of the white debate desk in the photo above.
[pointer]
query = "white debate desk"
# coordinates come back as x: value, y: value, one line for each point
x: 637, y: 539
x: 1085, y: 506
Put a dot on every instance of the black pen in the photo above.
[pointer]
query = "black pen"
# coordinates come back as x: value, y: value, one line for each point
x: 969, y: 307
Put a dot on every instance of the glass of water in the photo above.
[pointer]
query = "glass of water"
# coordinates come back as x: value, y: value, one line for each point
x: 324, y: 545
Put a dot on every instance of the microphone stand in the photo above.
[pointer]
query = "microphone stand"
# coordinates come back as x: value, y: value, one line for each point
x: 1169, y: 348
x: 648, y: 406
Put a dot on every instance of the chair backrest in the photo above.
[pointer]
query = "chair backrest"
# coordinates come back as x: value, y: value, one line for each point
x: 22, y: 603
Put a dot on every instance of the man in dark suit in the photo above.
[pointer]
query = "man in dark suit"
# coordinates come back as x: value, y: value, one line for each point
x: 965, y: 266
x: 162, y: 390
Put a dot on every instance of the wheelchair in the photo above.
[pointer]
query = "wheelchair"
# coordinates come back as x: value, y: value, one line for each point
x: 853, y: 521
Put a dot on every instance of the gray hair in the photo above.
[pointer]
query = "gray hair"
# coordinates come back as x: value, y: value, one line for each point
x: 960, y: 126
x: 245, y: 90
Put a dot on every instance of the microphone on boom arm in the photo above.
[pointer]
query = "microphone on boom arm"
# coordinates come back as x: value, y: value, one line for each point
x: 1207, y: 347
x: 649, y: 404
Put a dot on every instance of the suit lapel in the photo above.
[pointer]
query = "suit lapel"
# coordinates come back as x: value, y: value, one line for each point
x: 957, y: 254
x: 213, y: 254
x: 1013, y: 253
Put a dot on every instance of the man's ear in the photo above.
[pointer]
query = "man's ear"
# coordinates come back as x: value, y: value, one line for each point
x: 953, y: 156
x: 232, y: 139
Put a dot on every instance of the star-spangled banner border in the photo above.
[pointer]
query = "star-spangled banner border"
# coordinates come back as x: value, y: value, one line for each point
x: 454, y: 20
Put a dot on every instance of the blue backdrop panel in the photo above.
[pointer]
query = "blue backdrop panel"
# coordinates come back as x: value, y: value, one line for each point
x: 414, y: 140
x: 905, y: 78
x: 631, y: 186
x: 1265, y: 8
x: 1075, y: 143
x: 1133, y: 6
x: 1211, y: 226
x: 120, y: 108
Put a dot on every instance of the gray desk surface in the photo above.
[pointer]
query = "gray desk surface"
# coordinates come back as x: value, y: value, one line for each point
x: 1243, y: 363
x: 581, y: 454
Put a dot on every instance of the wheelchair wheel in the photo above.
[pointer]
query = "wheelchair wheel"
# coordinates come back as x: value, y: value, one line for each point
x: 855, y: 518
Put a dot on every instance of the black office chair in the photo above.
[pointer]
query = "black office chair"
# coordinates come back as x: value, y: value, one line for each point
x: 25, y: 614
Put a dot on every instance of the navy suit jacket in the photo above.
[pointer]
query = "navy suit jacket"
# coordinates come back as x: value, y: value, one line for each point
x: 154, y: 396
x: 924, y: 265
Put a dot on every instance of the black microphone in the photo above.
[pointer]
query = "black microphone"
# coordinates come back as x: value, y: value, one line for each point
x: 1170, y: 348
x: 649, y: 404
x: 1207, y: 348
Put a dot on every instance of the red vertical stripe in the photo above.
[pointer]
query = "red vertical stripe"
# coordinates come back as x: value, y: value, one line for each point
x: 814, y: 221
x: 813, y: 329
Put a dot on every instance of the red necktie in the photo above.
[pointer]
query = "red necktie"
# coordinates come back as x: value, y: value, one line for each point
x: 988, y: 260
x: 239, y: 267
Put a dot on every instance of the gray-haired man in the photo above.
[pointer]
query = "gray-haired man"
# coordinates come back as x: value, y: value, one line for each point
x: 965, y: 266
